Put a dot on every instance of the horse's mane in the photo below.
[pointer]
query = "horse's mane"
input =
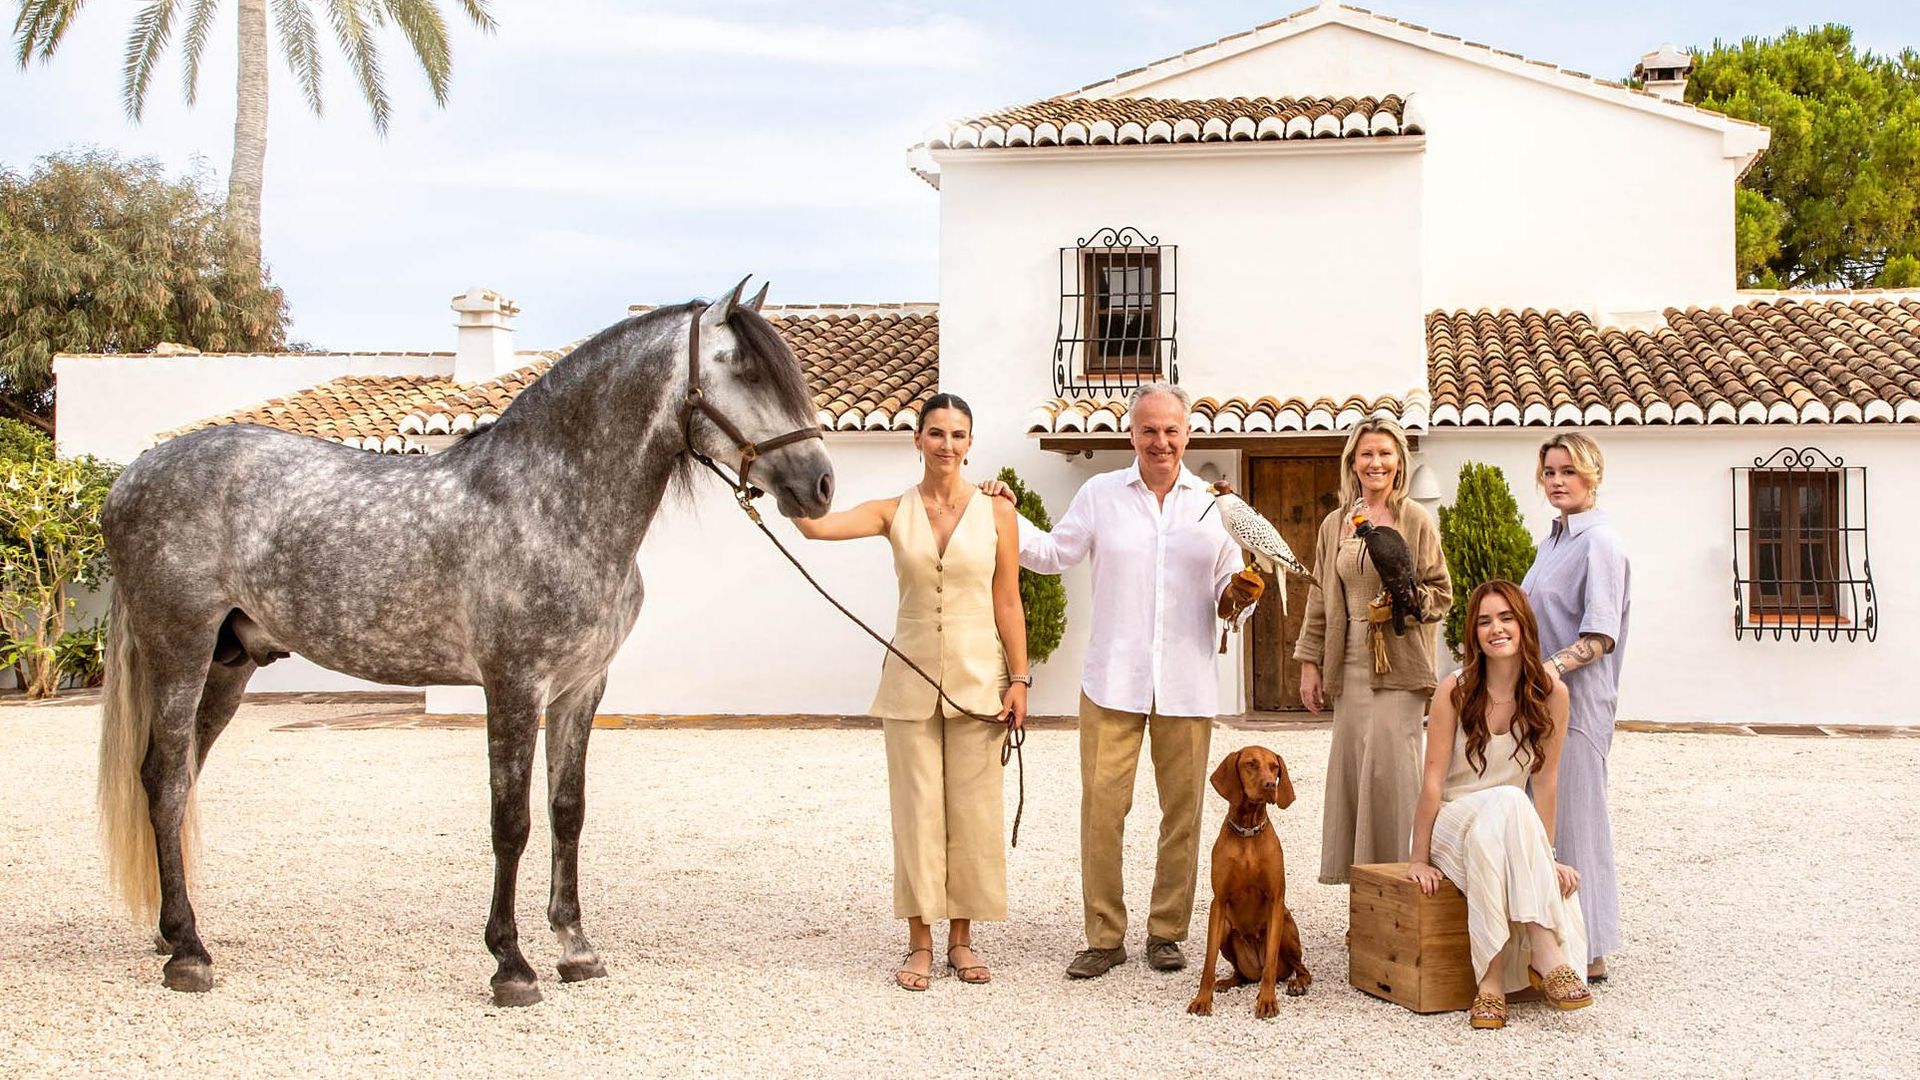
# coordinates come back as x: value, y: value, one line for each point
x: 761, y: 343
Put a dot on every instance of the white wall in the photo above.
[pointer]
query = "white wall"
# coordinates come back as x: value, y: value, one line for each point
x: 1668, y: 491
x: 1535, y: 195
x: 1298, y: 270
x: 112, y: 406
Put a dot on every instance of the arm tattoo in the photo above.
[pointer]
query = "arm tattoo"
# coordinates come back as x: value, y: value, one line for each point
x: 1586, y: 650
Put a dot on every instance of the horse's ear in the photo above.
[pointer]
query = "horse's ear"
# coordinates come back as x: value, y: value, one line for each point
x: 720, y: 310
x: 759, y: 298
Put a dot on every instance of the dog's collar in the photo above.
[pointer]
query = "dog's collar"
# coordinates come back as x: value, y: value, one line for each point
x: 1255, y: 831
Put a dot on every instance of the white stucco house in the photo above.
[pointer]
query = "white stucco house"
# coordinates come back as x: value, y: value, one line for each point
x: 1333, y: 215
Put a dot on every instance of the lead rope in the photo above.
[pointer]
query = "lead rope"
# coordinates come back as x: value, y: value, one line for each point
x: 1015, y: 738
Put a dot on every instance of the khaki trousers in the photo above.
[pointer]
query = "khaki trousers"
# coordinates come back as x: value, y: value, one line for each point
x: 1109, y: 756
x: 949, y: 846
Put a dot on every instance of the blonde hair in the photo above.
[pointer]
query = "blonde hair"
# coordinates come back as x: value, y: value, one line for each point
x: 1585, y: 453
x: 1350, y: 484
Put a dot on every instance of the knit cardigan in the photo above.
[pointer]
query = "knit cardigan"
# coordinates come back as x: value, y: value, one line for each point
x: 1323, y: 635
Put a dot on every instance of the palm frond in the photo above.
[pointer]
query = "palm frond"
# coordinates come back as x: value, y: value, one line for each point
x: 199, y: 27
x: 41, y: 26
x: 352, y: 30
x: 300, y: 40
x: 426, y: 32
x: 477, y: 11
x: 152, y: 27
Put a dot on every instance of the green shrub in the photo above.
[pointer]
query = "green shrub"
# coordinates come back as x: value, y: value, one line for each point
x: 81, y: 655
x: 1483, y: 537
x: 1042, y: 594
x: 18, y: 442
x: 50, y: 541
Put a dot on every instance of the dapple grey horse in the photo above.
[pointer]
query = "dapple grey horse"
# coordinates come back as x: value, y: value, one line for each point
x: 507, y: 561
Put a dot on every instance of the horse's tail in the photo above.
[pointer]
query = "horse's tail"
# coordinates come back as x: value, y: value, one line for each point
x: 128, y: 712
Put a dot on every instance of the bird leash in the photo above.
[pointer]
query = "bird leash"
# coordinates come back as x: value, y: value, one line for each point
x: 1010, y: 747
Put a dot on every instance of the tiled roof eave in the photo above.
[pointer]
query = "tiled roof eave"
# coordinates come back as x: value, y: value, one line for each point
x: 1803, y: 361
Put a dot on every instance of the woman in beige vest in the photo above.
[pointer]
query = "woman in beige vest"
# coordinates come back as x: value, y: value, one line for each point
x: 1378, y: 680
x: 1497, y: 730
x: 956, y: 553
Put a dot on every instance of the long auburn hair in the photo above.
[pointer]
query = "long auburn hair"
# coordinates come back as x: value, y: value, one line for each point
x: 1532, y: 723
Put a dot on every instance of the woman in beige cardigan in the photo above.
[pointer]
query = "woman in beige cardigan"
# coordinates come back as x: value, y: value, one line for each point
x: 1379, y: 681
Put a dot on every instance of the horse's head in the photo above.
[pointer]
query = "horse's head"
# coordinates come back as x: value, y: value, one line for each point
x: 749, y: 376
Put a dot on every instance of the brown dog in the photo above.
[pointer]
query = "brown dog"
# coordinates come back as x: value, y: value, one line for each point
x: 1249, y: 920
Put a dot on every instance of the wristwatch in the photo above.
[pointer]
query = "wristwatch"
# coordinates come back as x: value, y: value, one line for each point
x: 1023, y: 680
x: 1558, y: 666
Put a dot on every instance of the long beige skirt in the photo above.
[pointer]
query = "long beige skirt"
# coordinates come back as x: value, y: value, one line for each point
x: 1373, y: 770
x: 1491, y: 844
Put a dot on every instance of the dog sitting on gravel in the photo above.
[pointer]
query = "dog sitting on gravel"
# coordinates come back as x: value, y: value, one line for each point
x: 1248, y: 920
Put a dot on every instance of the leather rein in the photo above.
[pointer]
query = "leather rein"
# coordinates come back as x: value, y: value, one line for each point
x: 744, y: 493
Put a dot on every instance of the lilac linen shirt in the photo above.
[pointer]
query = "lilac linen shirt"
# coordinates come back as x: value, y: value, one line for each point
x: 1158, y: 571
x: 1579, y: 584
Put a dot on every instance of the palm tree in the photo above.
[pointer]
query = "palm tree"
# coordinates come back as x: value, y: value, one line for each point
x: 42, y: 25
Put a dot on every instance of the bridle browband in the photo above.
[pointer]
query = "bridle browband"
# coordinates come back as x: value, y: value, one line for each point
x: 750, y: 451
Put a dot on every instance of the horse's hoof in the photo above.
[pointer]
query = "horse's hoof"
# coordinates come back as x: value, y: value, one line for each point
x: 582, y: 970
x: 189, y: 975
x: 516, y: 995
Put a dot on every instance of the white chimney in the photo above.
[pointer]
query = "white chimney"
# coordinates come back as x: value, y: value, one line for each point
x: 485, y: 347
x: 1664, y: 72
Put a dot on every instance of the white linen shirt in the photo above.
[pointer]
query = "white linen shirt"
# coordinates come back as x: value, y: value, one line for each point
x: 1158, y: 571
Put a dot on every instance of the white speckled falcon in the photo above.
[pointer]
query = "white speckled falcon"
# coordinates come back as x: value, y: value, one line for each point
x: 1255, y: 534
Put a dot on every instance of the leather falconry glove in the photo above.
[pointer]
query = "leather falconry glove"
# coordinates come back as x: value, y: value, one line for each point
x: 1243, y: 590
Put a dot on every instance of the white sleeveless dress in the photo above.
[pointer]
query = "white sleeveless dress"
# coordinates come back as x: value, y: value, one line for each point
x: 1489, y: 841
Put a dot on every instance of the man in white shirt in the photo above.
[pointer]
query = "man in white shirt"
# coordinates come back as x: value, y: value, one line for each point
x: 1160, y: 560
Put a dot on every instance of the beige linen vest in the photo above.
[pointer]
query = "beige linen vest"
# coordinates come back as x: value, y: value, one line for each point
x: 946, y: 615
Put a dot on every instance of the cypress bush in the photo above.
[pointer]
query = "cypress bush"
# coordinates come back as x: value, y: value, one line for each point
x: 1483, y: 537
x: 1041, y: 594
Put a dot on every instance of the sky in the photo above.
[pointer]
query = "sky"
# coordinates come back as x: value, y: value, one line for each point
x: 597, y: 154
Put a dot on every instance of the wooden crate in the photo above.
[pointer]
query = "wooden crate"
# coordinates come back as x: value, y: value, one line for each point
x: 1406, y: 947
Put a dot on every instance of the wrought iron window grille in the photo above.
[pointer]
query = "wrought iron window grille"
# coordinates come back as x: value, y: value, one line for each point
x: 1801, y: 567
x: 1117, y: 314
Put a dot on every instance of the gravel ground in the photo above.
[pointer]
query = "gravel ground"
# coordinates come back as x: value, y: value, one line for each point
x: 737, y: 884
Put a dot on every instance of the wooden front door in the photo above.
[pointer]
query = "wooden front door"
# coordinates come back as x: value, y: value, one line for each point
x: 1294, y: 493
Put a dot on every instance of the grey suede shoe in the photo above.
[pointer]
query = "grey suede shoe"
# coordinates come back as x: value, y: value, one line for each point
x: 1164, y: 955
x: 1093, y: 963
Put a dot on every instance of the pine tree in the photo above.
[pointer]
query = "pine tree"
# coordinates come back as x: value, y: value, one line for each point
x: 1041, y: 594
x: 1483, y: 537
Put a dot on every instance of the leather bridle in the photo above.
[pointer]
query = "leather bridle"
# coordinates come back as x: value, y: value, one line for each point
x: 749, y: 450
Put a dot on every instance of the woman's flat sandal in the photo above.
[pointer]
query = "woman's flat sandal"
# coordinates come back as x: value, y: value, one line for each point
x: 1561, y: 987
x: 985, y: 976
x: 925, y: 980
x: 1489, y: 1013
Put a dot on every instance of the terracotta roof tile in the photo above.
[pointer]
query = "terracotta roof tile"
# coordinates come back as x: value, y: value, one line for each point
x: 468, y: 407
x: 871, y: 366
x: 1108, y: 413
x: 1842, y: 360
x: 1120, y: 121
x: 362, y: 411
x: 1774, y: 361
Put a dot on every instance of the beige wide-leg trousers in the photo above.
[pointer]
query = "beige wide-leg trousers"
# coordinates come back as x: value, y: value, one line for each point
x: 949, y: 813
x: 1109, y: 756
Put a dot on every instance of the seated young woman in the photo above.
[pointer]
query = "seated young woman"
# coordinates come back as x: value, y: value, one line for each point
x: 1494, y: 734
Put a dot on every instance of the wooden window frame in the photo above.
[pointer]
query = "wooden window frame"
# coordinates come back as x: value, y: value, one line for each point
x: 1094, y: 313
x: 1794, y: 592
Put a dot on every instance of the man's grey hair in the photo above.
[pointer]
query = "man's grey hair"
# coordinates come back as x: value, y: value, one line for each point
x: 1147, y: 390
